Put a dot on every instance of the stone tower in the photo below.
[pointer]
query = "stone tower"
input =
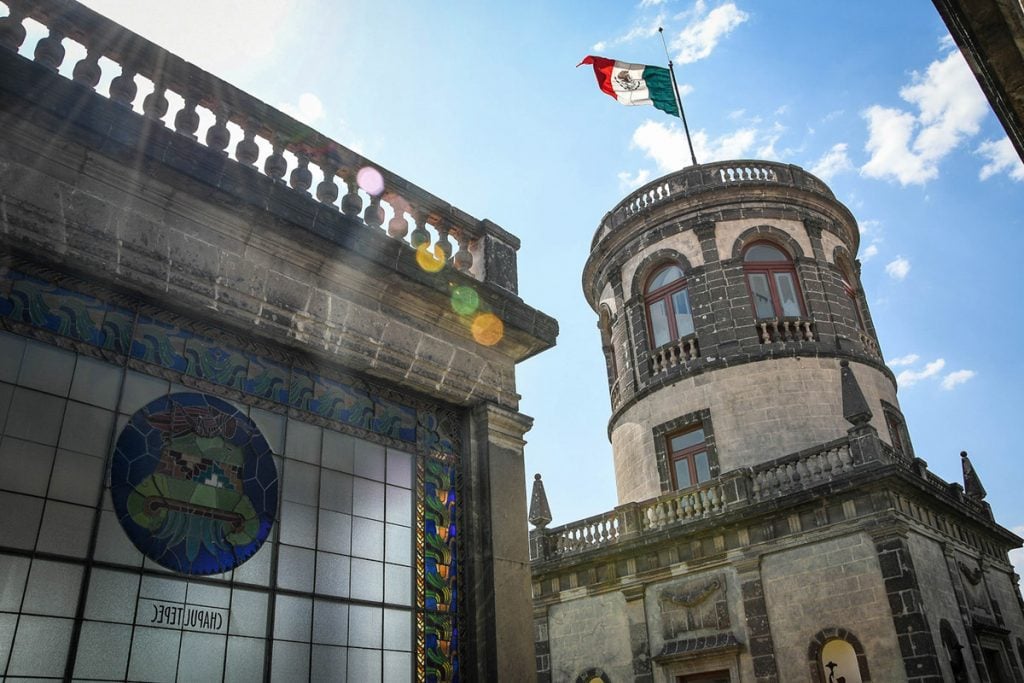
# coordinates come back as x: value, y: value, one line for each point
x: 773, y: 521
x: 728, y: 294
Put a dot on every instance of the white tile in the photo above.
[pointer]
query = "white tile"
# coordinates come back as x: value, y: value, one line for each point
x: 13, y: 574
x: 339, y: 451
x: 292, y: 618
x: 112, y: 544
x: 6, y: 392
x: 53, y: 588
x: 400, y: 466
x: 8, y: 622
x: 154, y: 655
x: 291, y: 662
x: 369, y: 460
x: 25, y: 466
x: 86, y: 429
x: 202, y: 657
x: 103, y: 651
x: 12, y: 349
x: 244, y: 660
x: 301, y: 482
x: 140, y: 389
x: 112, y: 596
x: 271, y: 426
x: 302, y: 442
x: 47, y: 368
x: 298, y: 524
x: 328, y: 662
x: 40, y: 647
x: 35, y: 416
x: 77, y: 478
x: 248, y: 613
x: 295, y: 568
x: 65, y: 529
x: 21, y: 516
x: 96, y: 382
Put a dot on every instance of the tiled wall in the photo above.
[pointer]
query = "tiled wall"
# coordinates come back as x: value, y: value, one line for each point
x: 332, y: 593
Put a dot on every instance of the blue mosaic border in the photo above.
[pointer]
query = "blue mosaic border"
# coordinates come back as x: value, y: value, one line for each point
x: 44, y: 305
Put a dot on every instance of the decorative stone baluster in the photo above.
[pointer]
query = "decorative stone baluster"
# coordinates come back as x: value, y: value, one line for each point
x: 87, y: 71
x: 301, y: 177
x: 50, y: 51
x: 845, y: 459
x: 218, y: 137
x: 398, y: 226
x: 351, y: 203
x: 123, y: 88
x: 326, y: 189
x: 374, y: 214
x: 186, y: 121
x: 419, y: 234
x: 247, y: 151
x: 155, y: 104
x: 802, y: 472
x: 275, y: 164
x: 463, y: 260
x: 765, y: 338
x: 808, y: 331
x: 443, y: 243
x: 833, y: 463
x: 12, y: 31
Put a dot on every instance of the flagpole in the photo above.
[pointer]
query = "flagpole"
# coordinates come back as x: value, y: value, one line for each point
x: 675, y: 93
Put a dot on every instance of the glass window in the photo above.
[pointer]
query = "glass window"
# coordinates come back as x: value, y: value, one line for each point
x: 689, y: 458
x: 772, y: 281
x: 668, y: 306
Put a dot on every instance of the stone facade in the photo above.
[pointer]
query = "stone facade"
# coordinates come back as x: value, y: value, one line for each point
x: 773, y: 523
x: 249, y: 428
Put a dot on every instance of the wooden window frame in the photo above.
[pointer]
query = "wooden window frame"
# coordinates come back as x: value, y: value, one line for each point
x: 663, y: 295
x: 688, y: 454
x: 769, y: 269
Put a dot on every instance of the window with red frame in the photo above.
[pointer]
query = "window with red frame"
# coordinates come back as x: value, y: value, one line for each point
x: 771, y: 280
x: 668, y: 306
x: 688, y: 458
x: 851, y: 292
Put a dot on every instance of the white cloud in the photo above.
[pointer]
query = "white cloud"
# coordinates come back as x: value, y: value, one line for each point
x: 1001, y: 157
x: 907, y: 147
x: 908, y: 359
x: 869, y: 252
x: 869, y: 227
x: 832, y: 163
x: 697, y: 40
x: 666, y: 145
x: 647, y: 29
x: 946, y: 42
x: 629, y: 182
x: 309, y: 109
x: 737, y: 114
x: 898, y: 268
x: 782, y: 110
x: 957, y: 377
x: 651, y: 3
x: 911, y: 377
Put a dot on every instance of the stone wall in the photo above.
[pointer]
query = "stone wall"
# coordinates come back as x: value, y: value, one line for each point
x: 833, y: 583
x: 760, y: 411
x: 590, y: 632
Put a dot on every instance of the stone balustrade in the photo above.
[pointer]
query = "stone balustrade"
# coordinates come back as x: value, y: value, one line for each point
x: 801, y: 470
x: 870, y: 345
x: 680, y: 507
x: 783, y: 330
x: 145, y: 77
x: 587, y: 533
x: 693, y: 180
x: 673, y: 354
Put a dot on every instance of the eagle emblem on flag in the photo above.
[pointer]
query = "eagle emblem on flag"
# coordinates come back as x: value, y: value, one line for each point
x: 627, y: 82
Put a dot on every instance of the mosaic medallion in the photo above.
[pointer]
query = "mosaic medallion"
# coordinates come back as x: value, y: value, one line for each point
x: 194, y: 484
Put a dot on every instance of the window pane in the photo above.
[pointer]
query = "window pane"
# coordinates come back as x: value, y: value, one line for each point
x: 682, y: 473
x: 762, y: 295
x: 703, y: 469
x: 664, y: 277
x: 659, y: 322
x: 681, y: 307
x: 764, y: 252
x: 787, y: 293
x: 691, y: 438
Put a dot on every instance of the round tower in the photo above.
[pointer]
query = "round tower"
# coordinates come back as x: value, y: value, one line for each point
x: 727, y: 295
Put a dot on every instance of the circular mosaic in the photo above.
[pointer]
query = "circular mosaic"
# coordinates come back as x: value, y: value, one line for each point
x: 194, y: 483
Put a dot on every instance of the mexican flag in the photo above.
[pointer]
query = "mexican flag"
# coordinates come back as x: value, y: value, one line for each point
x: 634, y: 83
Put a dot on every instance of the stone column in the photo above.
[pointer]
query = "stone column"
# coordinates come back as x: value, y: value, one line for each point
x: 917, y: 645
x: 639, y: 639
x: 499, y: 625
x: 755, y: 614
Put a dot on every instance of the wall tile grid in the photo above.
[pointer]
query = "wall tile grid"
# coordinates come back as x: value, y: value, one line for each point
x: 361, y: 566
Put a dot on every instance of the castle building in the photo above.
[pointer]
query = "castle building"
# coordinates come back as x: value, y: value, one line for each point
x: 773, y: 521
x: 258, y: 405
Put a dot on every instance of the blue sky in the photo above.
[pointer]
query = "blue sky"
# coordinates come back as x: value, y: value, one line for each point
x: 481, y: 104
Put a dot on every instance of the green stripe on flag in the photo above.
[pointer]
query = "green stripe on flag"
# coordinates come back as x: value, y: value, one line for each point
x: 659, y: 85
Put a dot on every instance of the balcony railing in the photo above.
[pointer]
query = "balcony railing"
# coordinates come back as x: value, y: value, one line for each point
x: 673, y: 354
x: 782, y: 330
x: 695, y: 179
x: 233, y: 123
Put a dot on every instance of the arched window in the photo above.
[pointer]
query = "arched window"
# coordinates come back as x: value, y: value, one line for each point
x: 772, y: 282
x: 668, y: 306
x: 839, y: 662
x: 851, y: 292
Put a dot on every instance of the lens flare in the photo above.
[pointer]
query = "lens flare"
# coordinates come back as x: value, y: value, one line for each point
x: 370, y: 180
x: 465, y: 300
x: 487, y: 329
x: 430, y: 260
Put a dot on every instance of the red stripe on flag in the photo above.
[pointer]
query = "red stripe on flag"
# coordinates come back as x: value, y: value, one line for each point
x: 603, y: 72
